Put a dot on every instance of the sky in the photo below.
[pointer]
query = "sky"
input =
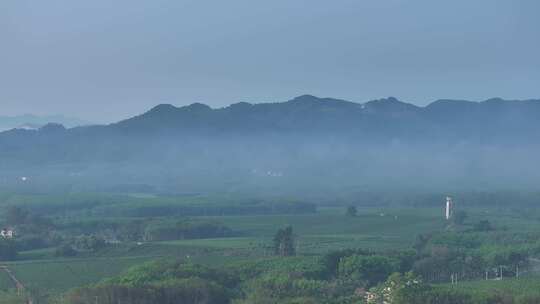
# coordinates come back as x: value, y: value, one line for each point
x: 104, y: 60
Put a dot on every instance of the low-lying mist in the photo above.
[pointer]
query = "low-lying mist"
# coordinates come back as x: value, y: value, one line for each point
x: 306, y: 147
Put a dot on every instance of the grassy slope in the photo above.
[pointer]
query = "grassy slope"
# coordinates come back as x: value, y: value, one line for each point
x: 5, y: 281
x: 64, y: 274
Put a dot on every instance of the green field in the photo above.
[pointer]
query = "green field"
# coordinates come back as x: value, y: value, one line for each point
x: 61, y: 275
x: 329, y: 229
x: 318, y: 233
x: 5, y: 281
x: 520, y: 288
x: 325, y: 231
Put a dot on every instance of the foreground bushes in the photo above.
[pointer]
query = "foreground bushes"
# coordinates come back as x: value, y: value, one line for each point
x: 343, y: 277
x: 190, y: 291
x: 161, y: 282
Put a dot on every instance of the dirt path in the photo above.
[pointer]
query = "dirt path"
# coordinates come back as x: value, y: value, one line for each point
x: 16, y: 282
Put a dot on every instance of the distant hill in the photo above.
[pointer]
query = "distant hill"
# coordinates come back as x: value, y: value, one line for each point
x: 303, y: 144
x: 29, y: 121
x: 494, y: 121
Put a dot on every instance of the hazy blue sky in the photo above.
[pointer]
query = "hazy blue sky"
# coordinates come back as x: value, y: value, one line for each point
x: 103, y: 60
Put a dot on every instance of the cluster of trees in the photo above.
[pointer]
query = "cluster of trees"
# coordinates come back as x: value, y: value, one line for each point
x: 334, y: 278
x: 284, y: 242
x: 31, y: 231
x: 89, y: 243
x: 35, y: 232
x: 473, y: 255
x: 163, y: 282
x: 366, y: 268
x: 351, y: 211
x: 149, y: 229
x: 121, y: 230
x: 82, y: 243
x: 24, y: 220
x: 72, y: 237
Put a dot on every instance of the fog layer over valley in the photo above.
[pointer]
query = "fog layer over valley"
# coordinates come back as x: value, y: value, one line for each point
x: 302, y: 147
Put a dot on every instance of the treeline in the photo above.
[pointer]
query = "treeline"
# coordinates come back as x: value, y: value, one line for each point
x: 161, y: 282
x: 474, y: 255
x: 511, y: 199
x: 492, y: 199
x: 185, y: 229
x: 331, y: 279
x: 218, y: 209
x: 348, y: 277
x: 75, y: 236
x: 149, y: 230
x: 114, y: 205
x: 28, y: 231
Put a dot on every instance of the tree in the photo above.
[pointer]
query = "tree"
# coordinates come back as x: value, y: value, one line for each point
x: 90, y: 243
x: 483, y: 225
x: 131, y: 231
x: 65, y: 250
x: 191, y: 290
x: 351, y: 211
x: 370, y: 269
x: 421, y: 242
x: 284, y: 242
x: 459, y: 217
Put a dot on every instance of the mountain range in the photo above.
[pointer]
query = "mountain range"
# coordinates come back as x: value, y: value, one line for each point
x: 301, y: 143
x: 494, y: 121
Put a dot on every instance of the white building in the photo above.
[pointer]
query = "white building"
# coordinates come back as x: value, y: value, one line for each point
x: 7, y: 233
x: 449, y: 207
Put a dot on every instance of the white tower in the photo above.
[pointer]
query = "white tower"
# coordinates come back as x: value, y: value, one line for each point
x: 449, y: 206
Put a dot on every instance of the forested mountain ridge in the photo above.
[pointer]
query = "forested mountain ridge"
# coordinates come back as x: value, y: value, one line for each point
x: 302, y: 139
x: 442, y: 119
x: 384, y: 119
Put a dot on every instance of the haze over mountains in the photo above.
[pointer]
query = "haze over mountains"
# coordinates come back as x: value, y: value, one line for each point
x: 29, y: 121
x: 305, y: 144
